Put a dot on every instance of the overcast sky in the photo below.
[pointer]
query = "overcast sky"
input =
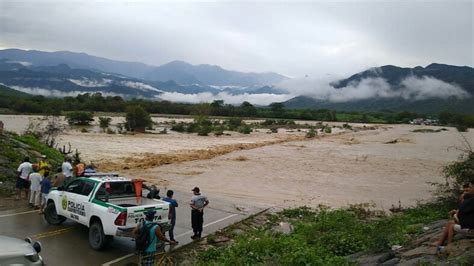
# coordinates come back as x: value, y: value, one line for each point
x: 315, y: 38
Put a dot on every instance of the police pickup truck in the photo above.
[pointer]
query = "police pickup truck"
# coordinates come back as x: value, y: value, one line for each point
x: 107, y: 205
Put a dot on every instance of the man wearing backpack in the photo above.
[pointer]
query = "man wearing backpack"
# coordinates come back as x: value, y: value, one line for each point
x: 146, y: 237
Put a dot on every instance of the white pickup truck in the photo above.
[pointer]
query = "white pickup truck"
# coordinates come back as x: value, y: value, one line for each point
x: 107, y: 205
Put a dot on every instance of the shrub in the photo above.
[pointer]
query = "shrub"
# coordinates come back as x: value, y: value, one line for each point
x: 137, y: 118
x: 178, y: 127
x: 245, y: 129
x: 204, y: 130
x: 79, y: 118
x: 104, y: 122
x: 234, y: 122
x: 109, y: 131
x: 327, y: 130
x: 219, y: 131
x: 311, y: 133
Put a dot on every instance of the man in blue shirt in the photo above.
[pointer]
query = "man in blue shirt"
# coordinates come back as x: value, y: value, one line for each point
x: 172, y: 212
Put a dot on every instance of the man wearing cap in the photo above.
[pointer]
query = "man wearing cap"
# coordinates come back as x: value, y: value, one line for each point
x: 198, y: 203
x: 148, y: 256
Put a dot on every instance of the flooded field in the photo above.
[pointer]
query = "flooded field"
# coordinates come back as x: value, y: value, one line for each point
x: 384, y: 165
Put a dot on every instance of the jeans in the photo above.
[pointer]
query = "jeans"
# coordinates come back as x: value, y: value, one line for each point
x: 171, y: 231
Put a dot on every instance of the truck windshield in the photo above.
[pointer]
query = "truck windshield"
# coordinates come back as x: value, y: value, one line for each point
x: 116, y: 190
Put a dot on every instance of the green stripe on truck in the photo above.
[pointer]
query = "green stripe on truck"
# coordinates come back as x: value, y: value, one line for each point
x: 107, y: 205
x: 150, y: 209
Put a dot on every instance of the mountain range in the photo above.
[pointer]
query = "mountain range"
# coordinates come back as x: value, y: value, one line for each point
x: 178, y: 71
x: 430, y: 89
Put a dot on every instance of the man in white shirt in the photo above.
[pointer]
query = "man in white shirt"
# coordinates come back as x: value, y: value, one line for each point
x: 198, y: 203
x: 22, y: 183
x: 35, y: 189
x: 67, y: 169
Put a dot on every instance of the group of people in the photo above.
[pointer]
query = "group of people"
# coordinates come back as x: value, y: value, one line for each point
x: 35, y: 180
x: 197, y: 204
x: 462, y: 217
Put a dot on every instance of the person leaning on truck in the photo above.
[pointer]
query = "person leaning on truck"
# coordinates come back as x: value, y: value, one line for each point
x: 148, y: 256
x: 198, y: 203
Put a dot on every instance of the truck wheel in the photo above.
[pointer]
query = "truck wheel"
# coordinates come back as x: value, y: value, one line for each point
x: 97, y: 239
x: 52, y: 216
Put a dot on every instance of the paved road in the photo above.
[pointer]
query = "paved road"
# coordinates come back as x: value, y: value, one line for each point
x: 67, y: 244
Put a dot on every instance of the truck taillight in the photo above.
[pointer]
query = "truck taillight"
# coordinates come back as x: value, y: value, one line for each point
x: 121, y: 219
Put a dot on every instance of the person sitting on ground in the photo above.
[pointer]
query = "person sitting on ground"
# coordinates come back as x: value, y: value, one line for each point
x: 45, y: 188
x: 35, y: 188
x: 148, y: 255
x: 465, y: 220
x: 22, y: 183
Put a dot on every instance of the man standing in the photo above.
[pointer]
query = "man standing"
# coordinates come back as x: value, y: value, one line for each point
x: 198, y: 203
x: 58, y: 179
x: 35, y: 189
x: 172, y: 212
x: 43, y: 166
x: 22, y: 183
x: 67, y: 169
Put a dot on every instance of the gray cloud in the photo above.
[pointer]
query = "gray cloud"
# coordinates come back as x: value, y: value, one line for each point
x: 207, y: 97
x: 411, y: 88
x: 57, y: 93
x: 293, y: 38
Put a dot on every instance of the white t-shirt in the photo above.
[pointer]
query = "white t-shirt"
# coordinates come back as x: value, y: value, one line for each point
x: 25, y: 169
x: 67, y: 169
x: 35, y: 179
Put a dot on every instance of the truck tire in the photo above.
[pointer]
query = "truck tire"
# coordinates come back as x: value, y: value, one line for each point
x: 97, y: 239
x: 52, y: 216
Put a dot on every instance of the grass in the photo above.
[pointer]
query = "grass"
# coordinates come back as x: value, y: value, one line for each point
x: 15, y: 147
x: 323, y: 236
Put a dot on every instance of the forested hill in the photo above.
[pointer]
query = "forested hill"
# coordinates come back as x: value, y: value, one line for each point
x: 431, y: 89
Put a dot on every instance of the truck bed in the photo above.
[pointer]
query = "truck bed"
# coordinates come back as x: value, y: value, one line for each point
x: 132, y: 202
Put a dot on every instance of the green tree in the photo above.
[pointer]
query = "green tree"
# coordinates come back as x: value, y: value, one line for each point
x: 104, y: 122
x: 277, y: 109
x: 248, y: 109
x: 137, y: 118
x: 79, y: 118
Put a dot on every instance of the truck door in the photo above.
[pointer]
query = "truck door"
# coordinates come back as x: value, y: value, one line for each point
x: 77, y: 193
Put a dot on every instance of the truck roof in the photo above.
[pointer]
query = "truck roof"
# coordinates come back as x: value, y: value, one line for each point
x: 109, y: 178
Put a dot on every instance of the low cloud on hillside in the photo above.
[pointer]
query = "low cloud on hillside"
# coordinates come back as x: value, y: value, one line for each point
x: 207, y: 97
x: 411, y: 88
x: 57, y: 93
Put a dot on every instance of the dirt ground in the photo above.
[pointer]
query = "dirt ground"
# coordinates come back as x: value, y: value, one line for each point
x: 384, y: 166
